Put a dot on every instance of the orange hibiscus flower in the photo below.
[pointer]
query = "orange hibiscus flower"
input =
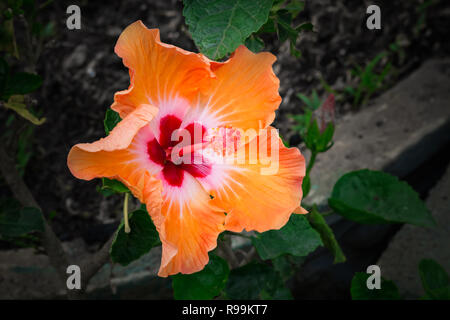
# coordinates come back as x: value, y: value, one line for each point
x: 173, y: 91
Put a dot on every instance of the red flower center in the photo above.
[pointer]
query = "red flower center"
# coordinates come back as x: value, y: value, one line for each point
x: 160, y: 151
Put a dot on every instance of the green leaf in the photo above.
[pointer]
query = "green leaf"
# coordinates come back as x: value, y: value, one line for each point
x: 285, y: 31
x: 113, y: 185
x: 303, y: 121
x: 313, y: 103
x: 112, y: 118
x: 306, y: 186
x: 359, y: 290
x: 256, y: 281
x: 350, y: 91
x: 305, y: 100
x: 315, y: 100
x: 325, y: 140
x: 22, y: 83
x: 371, y: 65
x: 305, y: 27
x: 294, y: 51
x: 16, y: 103
x: 373, y: 197
x: 383, y: 75
x: 312, y: 137
x: 16, y: 221
x: 295, y: 7
x: 283, y: 266
x: 326, y: 234
x: 127, y: 247
x: 280, y: 21
x: 202, y: 285
x: 328, y: 88
x: 297, y: 238
x: 285, y: 142
x: 219, y: 27
x: 435, y: 280
x: 268, y: 27
x: 254, y: 43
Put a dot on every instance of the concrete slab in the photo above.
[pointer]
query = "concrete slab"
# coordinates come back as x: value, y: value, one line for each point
x: 397, y: 133
x: 411, y: 244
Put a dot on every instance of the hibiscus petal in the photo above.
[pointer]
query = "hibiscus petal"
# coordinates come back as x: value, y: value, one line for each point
x: 117, y: 157
x: 190, y: 229
x: 98, y: 159
x: 158, y: 71
x: 123, y: 133
x: 254, y: 196
x: 300, y: 210
x: 245, y: 92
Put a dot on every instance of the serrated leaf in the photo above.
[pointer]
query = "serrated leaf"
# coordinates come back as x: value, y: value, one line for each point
x: 285, y: 31
x: 112, y: 118
x: 326, y: 234
x: 127, y: 247
x: 256, y: 281
x: 219, y: 27
x: 388, y: 290
x: 297, y: 238
x: 16, y: 221
x: 435, y: 280
x: 254, y: 43
x: 16, y: 103
x: 372, y: 197
x: 203, y: 285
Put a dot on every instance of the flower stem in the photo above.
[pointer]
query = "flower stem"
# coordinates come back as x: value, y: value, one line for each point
x: 312, y: 160
x: 125, y: 213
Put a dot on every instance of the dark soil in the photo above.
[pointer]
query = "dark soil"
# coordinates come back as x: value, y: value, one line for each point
x: 81, y: 74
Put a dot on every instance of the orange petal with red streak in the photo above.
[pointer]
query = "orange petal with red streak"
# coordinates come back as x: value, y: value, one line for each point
x: 256, y: 201
x: 189, y: 231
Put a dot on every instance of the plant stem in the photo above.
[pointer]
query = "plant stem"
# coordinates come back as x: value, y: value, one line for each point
x: 312, y: 160
x: 125, y: 212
